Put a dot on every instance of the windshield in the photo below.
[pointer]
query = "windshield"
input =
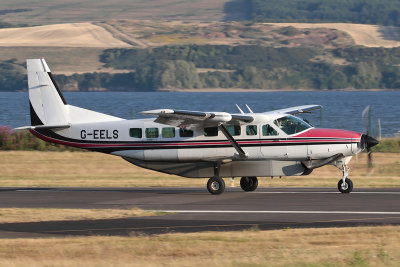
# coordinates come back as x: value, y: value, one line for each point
x: 291, y: 124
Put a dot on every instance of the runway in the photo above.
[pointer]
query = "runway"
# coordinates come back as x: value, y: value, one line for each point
x: 194, y: 209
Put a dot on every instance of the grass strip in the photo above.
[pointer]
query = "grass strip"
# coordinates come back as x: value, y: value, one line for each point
x: 353, y: 246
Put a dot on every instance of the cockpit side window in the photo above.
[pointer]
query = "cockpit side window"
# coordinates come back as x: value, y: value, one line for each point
x: 291, y: 124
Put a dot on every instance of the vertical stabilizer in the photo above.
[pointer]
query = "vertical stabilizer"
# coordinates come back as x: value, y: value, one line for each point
x: 48, y: 106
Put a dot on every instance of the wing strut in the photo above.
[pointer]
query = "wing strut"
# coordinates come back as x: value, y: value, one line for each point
x: 240, y: 151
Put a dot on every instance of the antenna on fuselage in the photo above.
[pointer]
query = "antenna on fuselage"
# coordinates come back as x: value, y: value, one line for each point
x: 249, y: 109
x: 241, y: 111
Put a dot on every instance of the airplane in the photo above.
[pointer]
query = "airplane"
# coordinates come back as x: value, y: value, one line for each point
x: 196, y: 144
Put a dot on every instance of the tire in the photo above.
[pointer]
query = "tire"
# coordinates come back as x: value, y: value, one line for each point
x: 215, y: 185
x: 249, y: 184
x: 347, y: 188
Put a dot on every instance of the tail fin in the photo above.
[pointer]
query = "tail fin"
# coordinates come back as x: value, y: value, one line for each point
x: 47, y: 104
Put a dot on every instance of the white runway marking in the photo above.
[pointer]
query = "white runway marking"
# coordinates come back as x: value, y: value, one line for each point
x: 285, y: 212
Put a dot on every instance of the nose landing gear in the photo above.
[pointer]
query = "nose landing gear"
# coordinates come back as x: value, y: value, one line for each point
x: 345, y: 185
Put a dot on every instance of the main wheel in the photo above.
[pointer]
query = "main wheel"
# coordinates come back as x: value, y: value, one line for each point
x: 249, y: 183
x: 215, y: 185
x: 345, y: 187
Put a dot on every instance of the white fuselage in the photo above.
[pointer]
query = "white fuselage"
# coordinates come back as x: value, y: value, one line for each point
x: 264, y: 152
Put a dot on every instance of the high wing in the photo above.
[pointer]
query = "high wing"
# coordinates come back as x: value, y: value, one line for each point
x: 295, y: 110
x: 196, y: 119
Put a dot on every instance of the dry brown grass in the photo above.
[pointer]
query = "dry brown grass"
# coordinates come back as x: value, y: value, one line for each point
x: 33, y: 168
x: 60, y: 35
x: 362, y: 246
x: 10, y: 215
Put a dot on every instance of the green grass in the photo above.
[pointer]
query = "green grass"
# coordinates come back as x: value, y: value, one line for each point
x: 388, y: 145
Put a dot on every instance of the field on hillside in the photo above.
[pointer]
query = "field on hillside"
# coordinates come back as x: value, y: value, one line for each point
x: 41, y: 12
x: 33, y: 168
x: 60, y: 35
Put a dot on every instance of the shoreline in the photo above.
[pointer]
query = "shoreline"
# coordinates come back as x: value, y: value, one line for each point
x: 227, y: 90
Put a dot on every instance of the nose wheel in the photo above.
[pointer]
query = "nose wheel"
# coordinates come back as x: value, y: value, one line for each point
x: 345, y: 185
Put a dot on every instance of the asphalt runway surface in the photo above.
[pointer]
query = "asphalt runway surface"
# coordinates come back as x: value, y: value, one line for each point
x: 194, y: 209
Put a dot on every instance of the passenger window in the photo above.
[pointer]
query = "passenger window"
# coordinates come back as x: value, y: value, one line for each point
x: 251, y: 129
x: 135, y: 132
x: 168, y: 132
x: 183, y: 132
x: 233, y: 129
x: 151, y: 132
x: 268, y: 130
x: 211, y: 131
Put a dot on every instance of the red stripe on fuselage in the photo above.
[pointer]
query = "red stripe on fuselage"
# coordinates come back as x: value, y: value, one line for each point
x: 329, y: 133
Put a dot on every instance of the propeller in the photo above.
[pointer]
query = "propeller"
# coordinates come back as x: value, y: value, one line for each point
x: 367, y: 141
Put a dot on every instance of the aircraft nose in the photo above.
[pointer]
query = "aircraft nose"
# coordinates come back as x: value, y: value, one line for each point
x: 368, y: 141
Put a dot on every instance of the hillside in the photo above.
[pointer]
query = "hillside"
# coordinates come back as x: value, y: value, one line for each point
x: 43, y: 12
x: 154, y: 55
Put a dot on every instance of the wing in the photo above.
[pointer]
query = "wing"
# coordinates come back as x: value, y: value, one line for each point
x: 195, y: 119
x: 296, y: 110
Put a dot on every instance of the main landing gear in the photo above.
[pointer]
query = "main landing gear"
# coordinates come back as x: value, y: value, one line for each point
x: 345, y: 185
x: 216, y: 184
x: 249, y: 184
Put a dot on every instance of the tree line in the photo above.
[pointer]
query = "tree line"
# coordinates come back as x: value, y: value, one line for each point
x: 230, y: 67
x: 380, y: 12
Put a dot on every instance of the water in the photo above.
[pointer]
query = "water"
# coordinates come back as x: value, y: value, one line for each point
x: 341, y: 109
